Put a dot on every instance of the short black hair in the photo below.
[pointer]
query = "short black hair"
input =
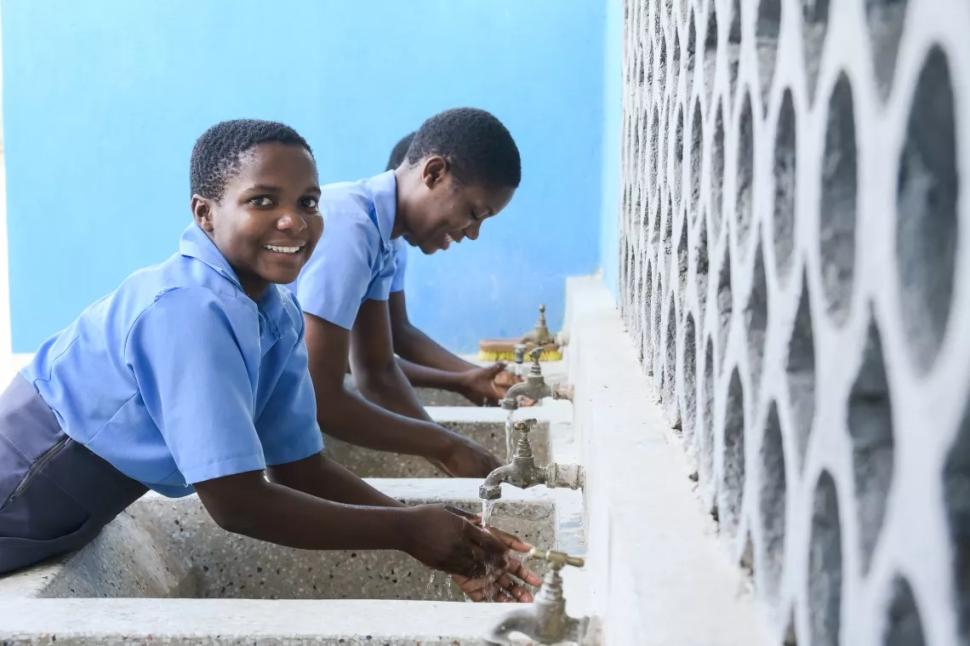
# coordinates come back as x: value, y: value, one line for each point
x: 399, y: 151
x: 217, y: 154
x: 475, y: 143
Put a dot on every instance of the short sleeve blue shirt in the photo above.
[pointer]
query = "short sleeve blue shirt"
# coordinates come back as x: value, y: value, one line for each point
x: 400, y: 264
x: 179, y: 377
x: 354, y: 260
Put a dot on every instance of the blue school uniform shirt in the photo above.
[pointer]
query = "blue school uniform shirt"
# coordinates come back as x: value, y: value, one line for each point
x: 400, y: 264
x: 178, y: 376
x: 354, y: 260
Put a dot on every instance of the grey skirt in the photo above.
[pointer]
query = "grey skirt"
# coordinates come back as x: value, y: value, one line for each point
x: 55, y: 494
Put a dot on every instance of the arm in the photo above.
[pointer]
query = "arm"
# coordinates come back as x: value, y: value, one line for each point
x: 356, y: 420
x: 373, y: 366
x: 426, y: 363
x: 417, y: 347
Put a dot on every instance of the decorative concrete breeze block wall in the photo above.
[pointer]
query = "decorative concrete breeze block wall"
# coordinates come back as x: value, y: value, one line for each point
x: 795, y: 274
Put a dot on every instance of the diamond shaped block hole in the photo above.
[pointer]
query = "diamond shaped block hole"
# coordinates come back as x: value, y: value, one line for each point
x: 756, y: 320
x: 706, y: 416
x: 956, y: 498
x: 710, y: 50
x: 725, y: 304
x: 644, y: 316
x: 800, y: 372
x: 678, y: 155
x: 731, y: 491
x: 815, y: 22
x: 682, y: 263
x: 669, y: 374
x: 825, y: 565
x: 926, y: 212
x: 696, y: 150
x: 745, y: 175
x: 785, y: 184
x: 871, y: 429
x: 734, y: 46
x: 661, y: 52
x: 717, y: 171
x: 838, y: 202
x: 766, y: 35
x: 886, y: 19
x: 655, y: 228
x: 675, y: 63
x: 903, y: 625
x: 689, y: 416
x: 691, y: 53
x: 654, y: 145
x: 771, y: 503
x: 702, y: 264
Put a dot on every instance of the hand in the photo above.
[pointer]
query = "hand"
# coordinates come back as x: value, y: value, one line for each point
x: 443, y: 538
x: 466, y: 459
x: 479, y: 385
x: 502, y: 585
x: 505, y: 380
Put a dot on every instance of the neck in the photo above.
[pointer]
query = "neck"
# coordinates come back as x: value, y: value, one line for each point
x: 401, y: 177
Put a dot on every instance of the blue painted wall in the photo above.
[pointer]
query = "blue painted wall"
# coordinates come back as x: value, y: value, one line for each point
x: 612, y: 132
x: 104, y: 99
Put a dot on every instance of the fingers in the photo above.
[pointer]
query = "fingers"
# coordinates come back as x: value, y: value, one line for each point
x: 511, y: 541
x: 522, y: 571
x: 493, y: 548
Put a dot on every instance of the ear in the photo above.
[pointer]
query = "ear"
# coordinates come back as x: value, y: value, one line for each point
x: 202, y: 212
x: 435, y: 170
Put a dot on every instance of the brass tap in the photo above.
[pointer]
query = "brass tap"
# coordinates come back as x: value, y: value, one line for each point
x: 540, y: 335
x: 546, y: 621
x: 522, y: 471
x: 534, y: 387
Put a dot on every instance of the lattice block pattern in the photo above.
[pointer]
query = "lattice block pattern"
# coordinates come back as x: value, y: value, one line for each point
x: 795, y: 273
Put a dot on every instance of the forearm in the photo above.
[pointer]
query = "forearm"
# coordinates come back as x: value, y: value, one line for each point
x: 322, y: 477
x: 412, y: 344
x: 388, y: 387
x: 423, y: 376
x: 282, y: 515
x: 353, y: 419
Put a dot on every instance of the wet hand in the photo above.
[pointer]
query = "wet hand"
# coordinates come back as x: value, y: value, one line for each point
x: 480, y: 385
x: 506, y: 584
x: 466, y: 459
x: 443, y: 538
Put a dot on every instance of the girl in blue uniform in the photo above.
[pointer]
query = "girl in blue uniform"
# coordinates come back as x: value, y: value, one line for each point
x: 192, y: 377
x: 462, y: 167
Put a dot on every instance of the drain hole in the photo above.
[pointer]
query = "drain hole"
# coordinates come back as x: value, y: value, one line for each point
x: 772, y: 502
x: 800, y: 369
x: 903, y: 626
x: 732, y: 466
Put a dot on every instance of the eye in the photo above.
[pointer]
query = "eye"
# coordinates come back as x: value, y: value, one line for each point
x: 261, y: 201
x: 310, y: 203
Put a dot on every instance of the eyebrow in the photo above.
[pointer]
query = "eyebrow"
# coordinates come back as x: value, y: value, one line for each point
x: 266, y: 188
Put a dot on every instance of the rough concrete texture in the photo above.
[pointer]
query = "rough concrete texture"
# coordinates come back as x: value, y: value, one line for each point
x: 656, y: 573
x: 795, y: 277
x: 489, y: 432
x: 163, y: 547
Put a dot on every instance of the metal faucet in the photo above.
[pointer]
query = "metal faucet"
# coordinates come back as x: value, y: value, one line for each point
x: 540, y: 335
x: 534, y: 387
x: 546, y: 620
x: 523, y: 473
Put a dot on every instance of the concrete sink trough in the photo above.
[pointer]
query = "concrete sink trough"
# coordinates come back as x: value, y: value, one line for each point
x: 484, y: 425
x: 163, y: 547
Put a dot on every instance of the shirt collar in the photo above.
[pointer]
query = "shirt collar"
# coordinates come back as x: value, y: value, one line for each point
x: 194, y: 243
x: 383, y: 190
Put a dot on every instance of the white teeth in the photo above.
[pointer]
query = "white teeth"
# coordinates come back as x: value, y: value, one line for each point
x: 448, y: 238
x: 283, y: 249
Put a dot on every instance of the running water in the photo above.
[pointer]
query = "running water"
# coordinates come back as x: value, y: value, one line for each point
x: 487, y: 506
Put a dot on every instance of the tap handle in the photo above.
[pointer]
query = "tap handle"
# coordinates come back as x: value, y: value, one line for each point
x: 525, y: 425
x: 534, y: 354
x: 558, y: 560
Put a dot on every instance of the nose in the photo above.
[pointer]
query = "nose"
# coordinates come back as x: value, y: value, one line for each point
x: 291, y: 222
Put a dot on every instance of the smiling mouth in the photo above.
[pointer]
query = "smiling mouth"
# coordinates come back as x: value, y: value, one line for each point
x: 286, y: 250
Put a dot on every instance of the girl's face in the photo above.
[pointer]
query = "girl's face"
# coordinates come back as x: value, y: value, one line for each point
x: 267, y: 222
x: 440, y: 210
